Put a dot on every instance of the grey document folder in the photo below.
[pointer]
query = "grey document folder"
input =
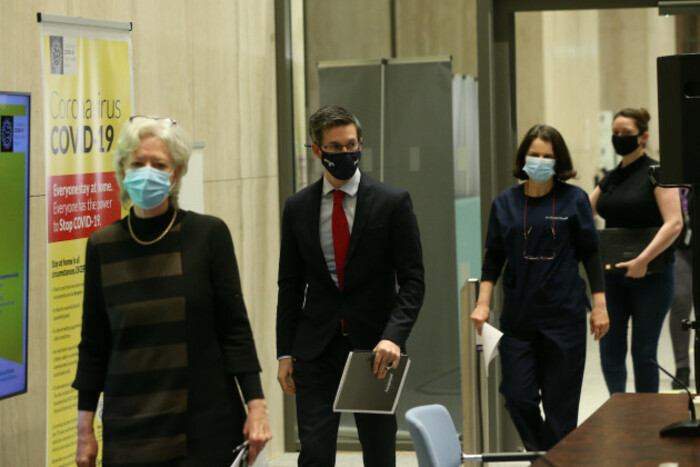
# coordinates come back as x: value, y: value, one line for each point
x: 361, y: 391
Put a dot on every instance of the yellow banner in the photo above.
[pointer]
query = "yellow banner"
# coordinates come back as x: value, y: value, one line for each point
x: 87, y: 97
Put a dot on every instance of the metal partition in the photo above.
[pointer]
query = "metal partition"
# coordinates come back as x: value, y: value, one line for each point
x: 475, y: 439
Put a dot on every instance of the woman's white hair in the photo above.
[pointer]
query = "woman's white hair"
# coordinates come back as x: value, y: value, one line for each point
x: 165, y: 129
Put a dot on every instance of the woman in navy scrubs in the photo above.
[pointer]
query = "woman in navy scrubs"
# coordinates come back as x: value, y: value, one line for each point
x: 541, y: 230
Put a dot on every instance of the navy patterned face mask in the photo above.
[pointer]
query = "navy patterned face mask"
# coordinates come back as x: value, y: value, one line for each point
x: 342, y: 165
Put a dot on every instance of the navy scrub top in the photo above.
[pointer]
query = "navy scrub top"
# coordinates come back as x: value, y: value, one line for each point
x: 542, y: 292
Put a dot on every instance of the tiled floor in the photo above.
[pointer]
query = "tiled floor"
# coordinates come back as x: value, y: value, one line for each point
x: 593, y: 395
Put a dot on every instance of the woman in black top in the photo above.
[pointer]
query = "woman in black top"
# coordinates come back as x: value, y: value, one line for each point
x: 165, y: 333
x: 627, y: 198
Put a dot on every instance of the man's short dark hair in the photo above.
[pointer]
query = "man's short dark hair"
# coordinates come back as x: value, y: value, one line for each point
x: 330, y: 117
x: 563, y: 166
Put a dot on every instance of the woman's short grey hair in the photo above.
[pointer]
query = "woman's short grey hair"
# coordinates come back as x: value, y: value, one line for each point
x: 331, y: 117
x: 165, y: 129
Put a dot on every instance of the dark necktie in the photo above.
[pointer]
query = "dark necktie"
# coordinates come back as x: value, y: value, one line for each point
x: 341, y: 234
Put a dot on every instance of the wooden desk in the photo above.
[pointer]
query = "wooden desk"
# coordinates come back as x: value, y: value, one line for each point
x: 625, y: 432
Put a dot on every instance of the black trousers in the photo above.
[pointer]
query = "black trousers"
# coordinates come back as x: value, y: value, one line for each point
x: 543, y: 365
x: 316, y: 384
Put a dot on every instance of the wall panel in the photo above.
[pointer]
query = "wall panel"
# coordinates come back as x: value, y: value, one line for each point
x: 162, y: 61
x: 340, y: 30
x: 529, y: 66
x: 571, y: 59
x: 424, y: 29
x: 573, y: 64
x: 216, y: 63
x: 630, y: 41
x: 258, y: 105
x: 210, y: 65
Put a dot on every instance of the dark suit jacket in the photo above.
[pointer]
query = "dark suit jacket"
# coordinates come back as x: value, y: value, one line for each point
x: 384, y: 250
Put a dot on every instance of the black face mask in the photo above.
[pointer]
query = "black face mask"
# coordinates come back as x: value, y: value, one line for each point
x: 625, y: 145
x: 342, y: 165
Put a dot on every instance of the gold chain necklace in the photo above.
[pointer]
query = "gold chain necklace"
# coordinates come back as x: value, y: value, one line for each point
x: 155, y: 240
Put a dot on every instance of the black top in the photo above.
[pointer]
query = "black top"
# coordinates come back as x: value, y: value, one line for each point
x: 627, y: 196
x: 165, y: 330
x: 627, y: 199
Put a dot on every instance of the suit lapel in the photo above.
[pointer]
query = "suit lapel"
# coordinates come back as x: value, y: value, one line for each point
x: 365, y: 198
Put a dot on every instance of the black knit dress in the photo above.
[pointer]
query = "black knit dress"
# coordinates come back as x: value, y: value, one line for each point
x: 164, y: 331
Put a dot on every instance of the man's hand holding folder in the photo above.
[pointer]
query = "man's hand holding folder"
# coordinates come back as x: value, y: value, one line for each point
x: 386, y: 356
x: 363, y: 391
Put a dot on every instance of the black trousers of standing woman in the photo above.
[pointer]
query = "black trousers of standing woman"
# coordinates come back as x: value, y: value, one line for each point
x: 544, y: 364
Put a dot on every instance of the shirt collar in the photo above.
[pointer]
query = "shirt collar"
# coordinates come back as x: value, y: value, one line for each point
x: 350, y: 188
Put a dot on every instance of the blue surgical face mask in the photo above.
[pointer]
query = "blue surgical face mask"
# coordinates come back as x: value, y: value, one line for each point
x: 147, y: 187
x: 540, y: 169
x: 341, y: 165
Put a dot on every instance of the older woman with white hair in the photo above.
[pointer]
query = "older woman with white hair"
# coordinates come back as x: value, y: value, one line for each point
x: 165, y: 332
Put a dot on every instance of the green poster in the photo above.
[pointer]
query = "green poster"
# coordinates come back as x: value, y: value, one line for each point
x: 13, y: 193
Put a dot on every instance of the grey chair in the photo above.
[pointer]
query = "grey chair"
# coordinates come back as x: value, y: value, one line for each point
x: 437, y: 445
x: 434, y: 436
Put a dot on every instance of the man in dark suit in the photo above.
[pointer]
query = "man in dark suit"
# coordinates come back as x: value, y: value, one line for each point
x: 347, y: 241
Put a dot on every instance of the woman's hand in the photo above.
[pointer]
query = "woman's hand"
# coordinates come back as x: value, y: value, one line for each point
x: 599, y: 321
x: 480, y: 315
x: 256, y: 428
x: 482, y: 310
x: 86, y: 454
x: 636, y: 268
x: 87, y: 450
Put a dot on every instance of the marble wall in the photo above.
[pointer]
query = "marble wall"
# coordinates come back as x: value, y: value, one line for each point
x: 557, y: 67
x: 422, y: 29
x: 209, y: 64
x: 371, y: 29
x: 342, y: 30
x: 574, y: 64
x: 362, y: 30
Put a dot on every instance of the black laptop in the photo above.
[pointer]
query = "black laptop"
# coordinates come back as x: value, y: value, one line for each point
x: 619, y: 245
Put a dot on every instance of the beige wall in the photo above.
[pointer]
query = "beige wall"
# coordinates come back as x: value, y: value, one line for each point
x: 361, y: 30
x: 210, y: 64
x: 425, y: 28
x: 557, y: 81
x: 570, y: 64
x: 630, y: 41
x: 343, y: 30
x: 573, y: 64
